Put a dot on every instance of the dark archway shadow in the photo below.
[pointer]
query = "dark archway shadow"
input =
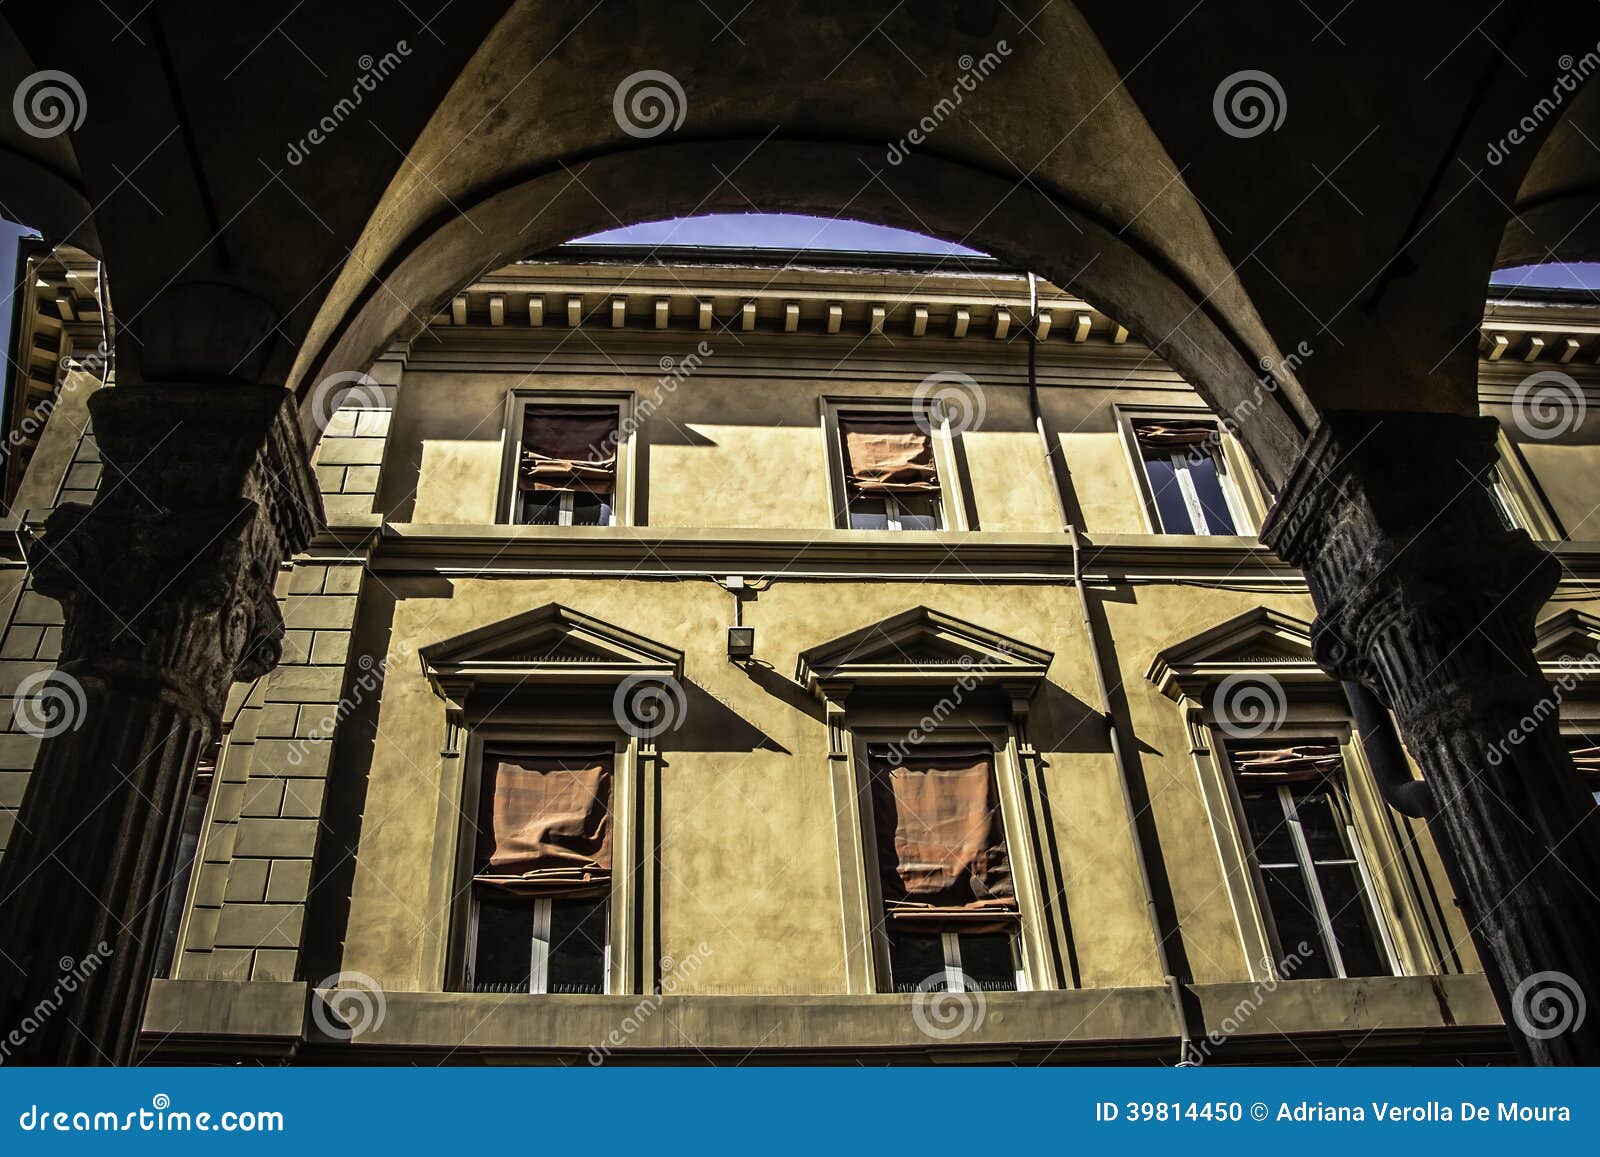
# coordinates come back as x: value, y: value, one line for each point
x: 786, y: 691
x: 709, y: 724
x: 1156, y: 863
x: 349, y: 772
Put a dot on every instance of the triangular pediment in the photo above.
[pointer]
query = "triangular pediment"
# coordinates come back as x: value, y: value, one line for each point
x: 918, y: 645
x: 1571, y: 637
x: 1260, y: 640
x: 552, y: 643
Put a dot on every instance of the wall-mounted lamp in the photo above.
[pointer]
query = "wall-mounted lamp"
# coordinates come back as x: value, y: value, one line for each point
x: 741, y: 642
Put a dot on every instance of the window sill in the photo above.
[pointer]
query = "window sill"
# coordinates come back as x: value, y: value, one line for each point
x: 191, y: 1018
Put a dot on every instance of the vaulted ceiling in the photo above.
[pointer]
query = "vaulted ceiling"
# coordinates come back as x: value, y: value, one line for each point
x: 279, y: 193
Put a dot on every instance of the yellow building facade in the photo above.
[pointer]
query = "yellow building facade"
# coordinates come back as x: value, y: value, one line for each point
x: 751, y: 624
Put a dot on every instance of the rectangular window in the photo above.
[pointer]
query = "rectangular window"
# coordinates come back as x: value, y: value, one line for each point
x: 566, y: 468
x: 950, y: 908
x: 891, y: 481
x: 177, y: 895
x: 540, y: 914
x: 1303, y: 841
x: 1187, y: 476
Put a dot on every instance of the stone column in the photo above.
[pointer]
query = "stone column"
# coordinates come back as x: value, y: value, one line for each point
x: 166, y: 584
x: 1427, y: 599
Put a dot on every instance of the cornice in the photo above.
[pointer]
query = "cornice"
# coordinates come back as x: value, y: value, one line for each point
x: 499, y: 551
x: 960, y: 300
x: 650, y: 552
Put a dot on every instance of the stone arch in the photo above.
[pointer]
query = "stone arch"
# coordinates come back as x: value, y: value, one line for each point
x: 1069, y: 243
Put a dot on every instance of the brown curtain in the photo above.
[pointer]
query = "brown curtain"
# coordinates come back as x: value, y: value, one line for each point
x: 544, y: 822
x: 888, y: 456
x: 1174, y: 432
x: 941, y: 842
x: 1257, y: 767
x: 569, y: 448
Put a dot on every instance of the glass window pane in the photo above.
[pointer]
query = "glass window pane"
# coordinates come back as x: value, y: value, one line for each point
x: 504, y: 946
x: 1351, y: 918
x: 1208, y: 486
x: 1296, y: 921
x: 577, y: 946
x: 987, y: 962
x: 194, y: 813
x: 591, y: 510
x: 1500, y: 501
x: 914, y: 959
x: 868, y: 514
x: 1170, y: 507
x: 918, y: 512
x: 1320, y: 823
x: 1269, y: 830
x: 541, y: 508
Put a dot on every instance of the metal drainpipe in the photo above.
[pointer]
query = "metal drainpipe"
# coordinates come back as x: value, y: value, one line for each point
x: 1033, y: 403
x: 1174, y: 988
x: 1186, y: 1054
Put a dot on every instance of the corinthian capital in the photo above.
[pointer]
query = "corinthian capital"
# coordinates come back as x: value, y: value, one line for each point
x: 1424, y: 594
x: 167, y: 579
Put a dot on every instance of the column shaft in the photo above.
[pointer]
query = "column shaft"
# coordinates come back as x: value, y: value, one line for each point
x: 1425, y: 597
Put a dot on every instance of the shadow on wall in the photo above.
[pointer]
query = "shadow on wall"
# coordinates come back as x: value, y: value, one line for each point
x: 349, y: 769
x: 711, y: 725
x: 1061, y: 722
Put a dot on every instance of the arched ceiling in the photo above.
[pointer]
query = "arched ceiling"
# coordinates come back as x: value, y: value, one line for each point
x: 1367, y: 223
x: 1555, y: 215
x: 182, y: 153
x: 1047, y: 143
x: 1362, y: 222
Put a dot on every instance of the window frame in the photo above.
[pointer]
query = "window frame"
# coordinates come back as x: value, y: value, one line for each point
x: 1306, y: 862
x: 191, y: 889
x: 538, y: 947
x: 1244, y: 498
x: 629, y: 967
x: 625, y: 478
x: 1512, y: 486
x: 1029, y: 942
x: 1419, y: 940
x: 951, y: 501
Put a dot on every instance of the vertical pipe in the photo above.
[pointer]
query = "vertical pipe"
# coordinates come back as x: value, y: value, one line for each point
x: 1186, y: 1052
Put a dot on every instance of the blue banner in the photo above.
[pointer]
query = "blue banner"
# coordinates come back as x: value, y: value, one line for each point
x: 758, y: 1110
